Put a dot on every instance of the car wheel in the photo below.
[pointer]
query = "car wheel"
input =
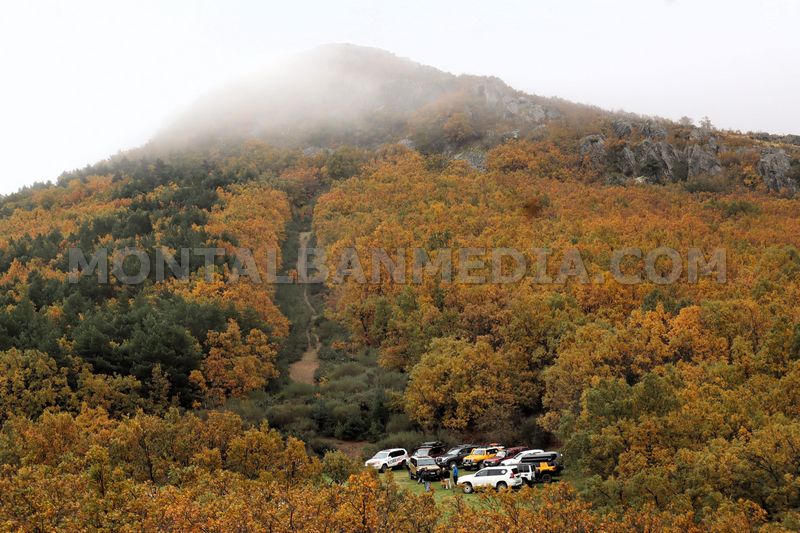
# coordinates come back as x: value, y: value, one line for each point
x: 403, y: 465
x: 450, y: 464
x: 502, y: 485
x: 546, y: 478
x: 383, y: 468
x: 480, y: 465
x: 468, y: 488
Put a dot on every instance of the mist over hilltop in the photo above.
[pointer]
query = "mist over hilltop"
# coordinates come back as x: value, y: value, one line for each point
x: 344, y: 93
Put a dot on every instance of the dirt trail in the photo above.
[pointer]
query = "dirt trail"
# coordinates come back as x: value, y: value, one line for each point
x: 303, y: 370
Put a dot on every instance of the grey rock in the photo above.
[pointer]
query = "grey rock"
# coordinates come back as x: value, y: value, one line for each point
x: 622, y: 159
x: 622, y: 128
x: 311, y: 151
x: 493, y: 90
x: 408, y: 143
x: 627, y: 162
x: 701, y: 162
x: 594, y: 147
x: 510, y: 104
x: 704, y: 137
x: 475, y: 158
x: 653, y: 130
x: 658, y: 161
x: 774, y: 166
x: 525, y: 109
x: 699, y: 135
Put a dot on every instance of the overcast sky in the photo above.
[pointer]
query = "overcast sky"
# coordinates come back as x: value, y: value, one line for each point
x: 80, y: 80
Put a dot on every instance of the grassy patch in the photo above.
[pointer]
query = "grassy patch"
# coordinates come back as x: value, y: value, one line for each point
x: 444, y: 495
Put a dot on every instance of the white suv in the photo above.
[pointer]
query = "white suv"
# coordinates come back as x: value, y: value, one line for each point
x: 496, y: 477
x: 520, y: 457
x: 385, y: 459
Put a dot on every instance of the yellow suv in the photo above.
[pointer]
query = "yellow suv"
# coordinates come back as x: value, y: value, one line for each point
x: 479, y: 455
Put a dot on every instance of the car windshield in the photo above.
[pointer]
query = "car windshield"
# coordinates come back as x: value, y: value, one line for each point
x: 425, y: 461
x: 381, y: 455
x: 423, y: 452
x: 479, y: 451
x: 453, y: 451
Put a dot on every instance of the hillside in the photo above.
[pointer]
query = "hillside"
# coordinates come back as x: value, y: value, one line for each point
x: 344, y: 94
x: 167, y: 403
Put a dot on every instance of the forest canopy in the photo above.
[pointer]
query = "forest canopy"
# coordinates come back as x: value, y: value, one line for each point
x: 169, y: 404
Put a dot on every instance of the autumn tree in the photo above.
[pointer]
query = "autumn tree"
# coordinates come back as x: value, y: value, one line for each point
x: 235, y: 364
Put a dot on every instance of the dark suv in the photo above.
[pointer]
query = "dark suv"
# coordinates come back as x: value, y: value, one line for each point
x: 551, y: 462
x: 429, y: 449
x: 455, y: 455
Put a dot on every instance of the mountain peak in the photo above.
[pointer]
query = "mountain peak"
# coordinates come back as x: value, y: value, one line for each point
x: 338, y: 93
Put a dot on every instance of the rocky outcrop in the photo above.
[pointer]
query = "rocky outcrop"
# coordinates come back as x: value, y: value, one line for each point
x: 701, y: 162
x: 528, y: 111
x: 474, y: 158
x: 655, y: 161
x: 658, y: 161
x: 525, y: 109
x: 408, y: 143
x: 653, y: 130
x: 626, y: 161
x: 512, y: 104
x: 593, y: 148
x: 622, y: 128
x: 774, y: 167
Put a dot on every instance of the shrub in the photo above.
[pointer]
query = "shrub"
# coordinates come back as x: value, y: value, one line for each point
x: 346, y: 370
x: 347, y: 385
x: 399, y: 423
x: 707, y: 184
x: 535, y: 205
x: 284, y: 415
x: 338, y: 466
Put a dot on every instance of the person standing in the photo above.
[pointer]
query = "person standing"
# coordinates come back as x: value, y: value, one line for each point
x: 445, y: 477
x: 455, y: 475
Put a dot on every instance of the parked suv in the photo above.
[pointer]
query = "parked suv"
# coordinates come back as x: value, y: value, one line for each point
x: 429, y: 449
x: 455, y: 455
x: 527, y: 472
x: 388, y: 459
x: 532, y: 473
x: 423, y: 467
x: 520, y: 457
x: 545, y: 472
x: 497, y: 477
x: 476, y: 458
x: 503, y: 454
x: 550, y: 463
x: 542, y: 457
